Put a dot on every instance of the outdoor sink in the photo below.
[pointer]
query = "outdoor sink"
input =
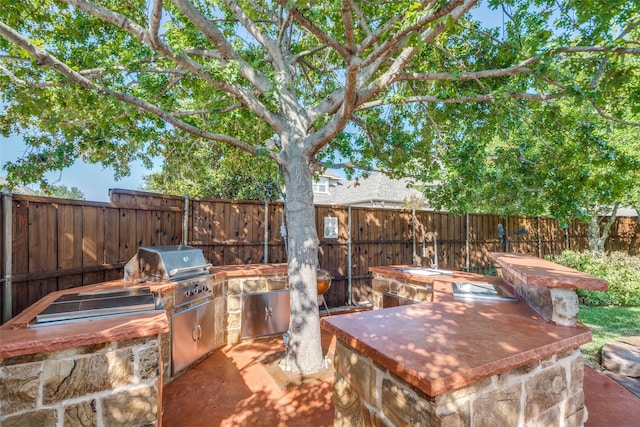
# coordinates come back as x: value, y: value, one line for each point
x: 481, y: 291
x: 423, y: 271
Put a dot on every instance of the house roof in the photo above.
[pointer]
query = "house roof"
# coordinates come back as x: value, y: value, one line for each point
x: 20, y: 189
x: 376, y: 190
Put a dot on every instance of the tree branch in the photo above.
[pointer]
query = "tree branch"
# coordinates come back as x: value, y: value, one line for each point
x: 460, y: 100
x: 205, y: 53
x: 268, y: 43
x: 472, y: 75
x: 364, y: 25
x: 598, y: 49
x: 399, y: 38
x: 18, y: 81
x: 320, y: 35
x: 308, y: 52
x: 44, y: 58
x: 131, y: 27
x: 203, y: 112
x: 99, y: 72
x: 408, y: 53
x: 347, y: 19
x: 218, y: 39
x: 375, y: 37
x: 606, y: 116
x: 154, y: 21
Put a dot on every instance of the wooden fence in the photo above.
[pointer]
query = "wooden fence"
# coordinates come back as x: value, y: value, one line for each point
x: 58, y: 243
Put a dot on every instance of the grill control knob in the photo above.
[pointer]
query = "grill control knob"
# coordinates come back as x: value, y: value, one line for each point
x: 188, y: 293
x: 204, y: 288
x: 196, y: 290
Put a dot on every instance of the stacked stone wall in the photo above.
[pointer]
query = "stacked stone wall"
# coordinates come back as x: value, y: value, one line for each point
x: 547, y: 392
x: 404, y: 288
x: 98, y: 385
x: 557, y: 305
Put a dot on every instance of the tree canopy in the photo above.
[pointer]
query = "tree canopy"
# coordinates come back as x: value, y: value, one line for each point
x: 62, y: 192
x: 391, y: 86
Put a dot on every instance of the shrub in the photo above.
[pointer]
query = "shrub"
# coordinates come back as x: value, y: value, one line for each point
x: 621, y: 270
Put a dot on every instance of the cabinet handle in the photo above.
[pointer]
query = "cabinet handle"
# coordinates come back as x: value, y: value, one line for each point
x: 268, y: 312
x: 196, y: 332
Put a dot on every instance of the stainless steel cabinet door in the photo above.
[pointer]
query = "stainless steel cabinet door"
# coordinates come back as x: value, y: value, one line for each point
x: 192, y: 335
x: 265, y: 313
x: 205, y: 321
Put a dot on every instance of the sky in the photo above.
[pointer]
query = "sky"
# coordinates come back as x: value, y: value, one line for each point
x: 94, y: 180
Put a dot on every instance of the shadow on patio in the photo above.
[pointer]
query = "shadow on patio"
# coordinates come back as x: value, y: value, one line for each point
x: 232, y: 387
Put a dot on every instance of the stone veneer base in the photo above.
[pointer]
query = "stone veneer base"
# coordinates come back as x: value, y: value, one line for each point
x: 402, y: 287
x: 106, y: 384
x: 546, y: 392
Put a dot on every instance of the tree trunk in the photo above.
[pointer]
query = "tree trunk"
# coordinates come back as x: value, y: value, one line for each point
x: 305, y: 347
x: 596, y: 243
x: 597, y: 237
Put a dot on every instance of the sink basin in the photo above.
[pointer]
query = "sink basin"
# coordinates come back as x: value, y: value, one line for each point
x: 481, y: 291
x: 418, y: 271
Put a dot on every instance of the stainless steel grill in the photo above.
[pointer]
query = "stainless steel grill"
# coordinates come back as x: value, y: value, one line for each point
x: 166, y: 263
x: 192, y: 316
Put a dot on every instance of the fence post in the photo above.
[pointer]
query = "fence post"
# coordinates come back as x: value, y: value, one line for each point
x: 506, y: 233
x: 349, y: 272
x: 266, y: 231
x: 185, y: 222
x: 413, y: 234
x: 7, y: 238
x: 539, y: 240
x: 466, y: 243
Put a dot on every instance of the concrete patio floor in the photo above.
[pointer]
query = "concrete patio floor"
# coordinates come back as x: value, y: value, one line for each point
x: 233, y: 387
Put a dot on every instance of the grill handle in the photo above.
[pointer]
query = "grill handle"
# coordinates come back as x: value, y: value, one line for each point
x: 185, y: 269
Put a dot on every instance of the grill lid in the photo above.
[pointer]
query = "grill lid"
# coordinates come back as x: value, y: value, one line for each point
x: 166, y: 263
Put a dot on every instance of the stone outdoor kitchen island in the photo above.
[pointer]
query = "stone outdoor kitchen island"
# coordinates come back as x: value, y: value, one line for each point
x: 464, y: 363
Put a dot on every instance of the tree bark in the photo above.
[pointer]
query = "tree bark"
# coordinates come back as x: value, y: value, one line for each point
x: 596, y: 243
x: 305, y: 348
x: 596, y: 236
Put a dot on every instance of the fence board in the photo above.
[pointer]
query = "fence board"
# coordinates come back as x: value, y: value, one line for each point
x: 127, y: 239
x: 110, y: 236
x: 93, y: 240
x: 70, y: 232
x: 94, y: 246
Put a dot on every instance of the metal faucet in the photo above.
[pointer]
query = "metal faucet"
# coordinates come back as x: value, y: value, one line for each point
x: 434, y: 264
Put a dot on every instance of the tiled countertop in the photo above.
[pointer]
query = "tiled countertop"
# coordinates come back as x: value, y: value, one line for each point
x: 17, y: 339
x: 403, y: 272
x: 446, y: 344
x: 244, y: 270
x: 539, y: 272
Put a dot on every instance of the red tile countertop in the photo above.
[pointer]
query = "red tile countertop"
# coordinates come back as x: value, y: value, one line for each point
x: 17, y: 339
x: 540, y: 272
x: 402, y: 272
x: 445, y: 345
x: 244, y: 270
